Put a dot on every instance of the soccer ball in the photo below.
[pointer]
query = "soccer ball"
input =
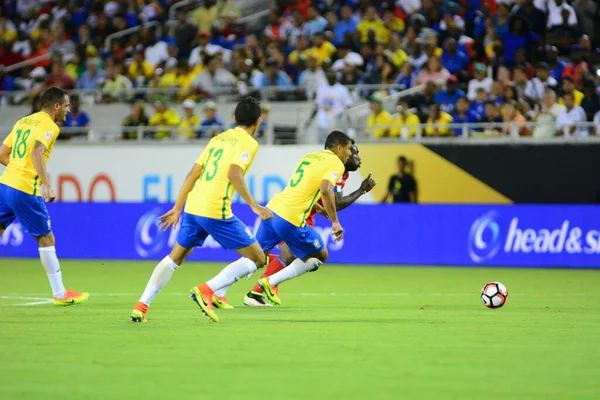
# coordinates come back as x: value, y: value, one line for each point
x: 494, y: 295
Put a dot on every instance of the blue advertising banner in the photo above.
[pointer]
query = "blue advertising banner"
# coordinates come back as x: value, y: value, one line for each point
x: 503, y: 235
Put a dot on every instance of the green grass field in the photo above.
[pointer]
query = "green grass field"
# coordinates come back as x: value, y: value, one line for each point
x: 342, y: 333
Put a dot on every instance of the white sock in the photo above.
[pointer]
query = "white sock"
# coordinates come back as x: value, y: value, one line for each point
x: 161, y: 275
x: 52, y: 267
x: 232, y: 273
x: 222, y: 292
x: 295, y: 269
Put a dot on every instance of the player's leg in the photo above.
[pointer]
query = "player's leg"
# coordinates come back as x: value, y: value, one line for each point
x: 190, y: 235
x: 33, y: 215
x: 255, y: 297
x: 307, y: 244
x: 253, y: 254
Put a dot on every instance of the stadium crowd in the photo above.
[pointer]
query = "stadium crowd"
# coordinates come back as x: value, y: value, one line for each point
x: 488, y: 61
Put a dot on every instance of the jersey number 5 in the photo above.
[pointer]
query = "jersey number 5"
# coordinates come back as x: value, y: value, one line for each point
x: 300, y: 172
x: 20, y: 146
x: 216, y: 157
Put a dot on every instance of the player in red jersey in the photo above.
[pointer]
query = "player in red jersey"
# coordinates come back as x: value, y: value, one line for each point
x: 255, y: 297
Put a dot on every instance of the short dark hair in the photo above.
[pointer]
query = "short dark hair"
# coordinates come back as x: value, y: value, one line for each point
x: 568, y: 94
x: 402, y: 158
x: 247, y: 112
x: 53, y: 95
x: 568, y: 78
x: 490, y: 103
x: 335, y: 138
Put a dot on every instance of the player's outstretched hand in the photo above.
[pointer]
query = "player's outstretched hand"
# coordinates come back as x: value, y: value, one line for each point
x: 337, y: 232
x: 263, y: 212
x: 368, y: 184
x: 171, y: 218
x: 49, y: 195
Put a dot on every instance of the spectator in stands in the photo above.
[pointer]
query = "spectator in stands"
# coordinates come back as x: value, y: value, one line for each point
x: 566, y: 122
x: 185, y: 34
x: 448, y: 97
x: 137, y: 118
x: 437, y: 123
x: 58, y: 77
x: 279, y: 28
x: 156, y: 51
x: 206, y: 48
x: 163, y: 118
x: 513, y: 116
x: 556, y: 16
x: 312, y: 78
x: 76, y: 119
x: 406, y: 79
x: 406, y: 121
x: 577, y: 65
x: 493, y: 118
x: 372, y: 23
x: 7, y: 83
x: 464, y: 115
x: 518, y: 37
x: 545, y: 118
x: 453, y: 59
x: 211, y: 124
x: 205, y: 15
x: 315, y: 22
x: 478, y: 105
x: 351, y: 74
x: 534, y: 92
x: 497, y: 92
x: 140, y: 71
x: 568, y: 87
x: 501, y: 20
x: 346, y: 28
x: 298, y: 28
x: 214, y: 78
x: 535, y: 16
x: 322, y: 48
x: 433, y: 71
x: 189, y: 123
x: 423, y: 101
x: 586, y: 10
x: 93, y: 78
x: 596, y: 129
x: 116, y: 86
x: 379, y: 123
x: 62, y: 44
x: 417, y: 58
x: 520, y: 80
x: 402, y: 187
x: 479, y: 81
x: 591, y: 100
x: 274, y: 76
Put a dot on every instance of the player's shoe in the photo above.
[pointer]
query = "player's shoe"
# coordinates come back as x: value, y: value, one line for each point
x: 254, y: 299
x: 202, y: 295
x: 138, y: 316
x: 221, y: 302
x: 71, y: 298
x: 270, y: 291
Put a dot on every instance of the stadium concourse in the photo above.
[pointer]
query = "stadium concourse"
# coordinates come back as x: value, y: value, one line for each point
x: 481, y: 61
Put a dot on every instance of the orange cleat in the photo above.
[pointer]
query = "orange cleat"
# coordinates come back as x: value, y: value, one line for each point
x: 71, y: 298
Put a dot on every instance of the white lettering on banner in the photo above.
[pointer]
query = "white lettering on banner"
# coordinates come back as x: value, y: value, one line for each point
x: 567, y: 238
x: 149, y: 173
x: 12, y: 236
x: 150, y: 242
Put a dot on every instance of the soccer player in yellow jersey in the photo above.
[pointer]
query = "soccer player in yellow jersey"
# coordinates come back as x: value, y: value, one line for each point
x: 24, y: 184
x: 206, y: 194
x: 315, y: 176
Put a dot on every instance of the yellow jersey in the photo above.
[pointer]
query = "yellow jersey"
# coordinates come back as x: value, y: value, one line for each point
x: 411, y: 123
x: 383, y: 118
x: 381, y: 32
x: 211, y: 195
x: 577, y: 98
x: 188, y: 127
x: 296, y: 201
x: 20, y: 173
x: 442, y: 129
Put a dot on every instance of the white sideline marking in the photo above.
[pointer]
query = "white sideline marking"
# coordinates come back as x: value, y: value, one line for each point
x: 39, y: 301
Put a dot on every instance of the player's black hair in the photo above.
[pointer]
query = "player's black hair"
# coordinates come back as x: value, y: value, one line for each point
x: 53, y: 95
x: 337, y: 137
x: 402, y: 158
x: 247, y: 112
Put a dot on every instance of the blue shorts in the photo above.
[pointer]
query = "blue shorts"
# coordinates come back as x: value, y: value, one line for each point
x: 31, y: 211
x: 230, y: 233
x: 302, y: 241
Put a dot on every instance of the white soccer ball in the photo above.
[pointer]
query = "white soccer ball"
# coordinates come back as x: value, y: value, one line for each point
x: 494, y: 295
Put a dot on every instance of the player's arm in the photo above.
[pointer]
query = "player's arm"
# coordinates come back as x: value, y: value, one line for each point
x: 37, y: 157
x: 365, y: 187
x: 236, y: 177
x: 5, y: 155
x: 328, y: 196
x: 172, y: 216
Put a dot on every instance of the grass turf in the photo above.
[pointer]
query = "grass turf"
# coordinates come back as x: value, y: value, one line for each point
x: 343, y: 332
